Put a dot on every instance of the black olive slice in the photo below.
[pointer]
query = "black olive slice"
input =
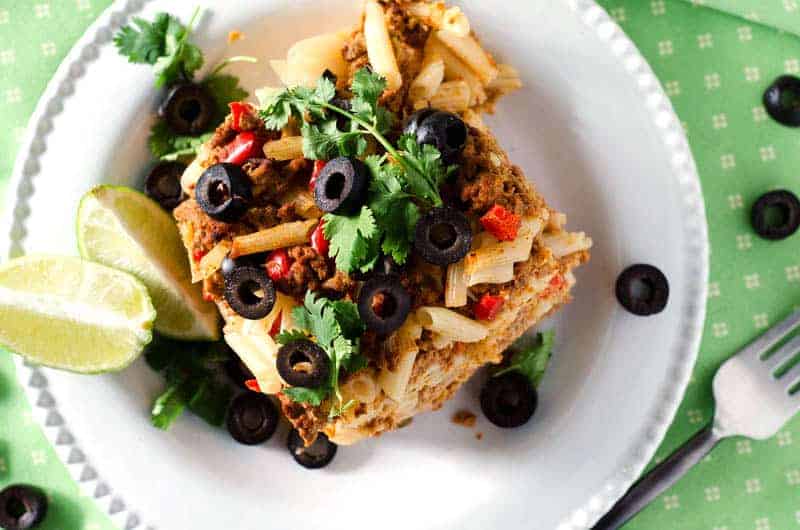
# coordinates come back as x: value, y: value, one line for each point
x: 252, y: 418
x: 250, y: 292
x: 443, y: 236
x: 446, y: 132
x: 224, y: 192
x: 341, y: 186
x: 318, y: 455
x: 163, y: 184
x: 643, y: 290
x: 188, y: 109
x: 782, y: 100
x: 303, y: 363
x: 383, y: 303
x: 413, y: 122
x: 508, y: 400
x: 776, y: 215
x: 22, y: 507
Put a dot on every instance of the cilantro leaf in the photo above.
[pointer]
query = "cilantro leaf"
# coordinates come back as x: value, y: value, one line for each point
x: 168, y: 407
x: 144, y: 42
x: 162, y: 43
x: 298, y: 102
x: 324, y: 141
x: 166, y: 145
x: 531, y: 360
x: 336, y: 327
x: 180, y: 58
x: 210, y: 402
x: 312, y: 396
x: 395, y: 212
x: 288, y: 336
x: 348, y: 318
x: 352, y: 239
x: 426, y: 171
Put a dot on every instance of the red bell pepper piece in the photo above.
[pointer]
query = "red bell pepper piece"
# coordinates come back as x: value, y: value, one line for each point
x: 198, y: 254
x: 318, y: 241
x: 278, y: 264
x: 318, y: 165
x: 238, y: 109
x: 488, y: 307
x: 276, y: 325
x: 501, y: 223
x: 246, y: 145
x: 252, y: 384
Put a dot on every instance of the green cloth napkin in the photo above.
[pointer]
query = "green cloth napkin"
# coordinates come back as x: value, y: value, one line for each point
x: 714, y: 64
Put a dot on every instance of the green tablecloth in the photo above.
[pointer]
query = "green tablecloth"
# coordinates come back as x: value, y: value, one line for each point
x: 714, y: 57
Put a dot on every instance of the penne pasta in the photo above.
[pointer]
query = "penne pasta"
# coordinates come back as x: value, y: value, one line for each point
x: 259, y: 354
x: 288, y: 148
x: 452, y: 96
x: 505, y: 252
x: 307, y: 59
x: 455, y: 292
x: 404, y: 342
x: 566, y: 243
x: 361, y: 387
x: 456, y: 22
x: 454, y: 68
x: 193, y: 173
x: 450, y: 324
x: 500, y: 274
x: 438, y: 16
x: 211, y: 262
x: 427, y: 82
x: 379, y: 45
x: 303, y: 203
x: 556, y: 223
x: 507, y: 80
x: 468, y: 50
x: 440, y: 341
x: 281, y: 236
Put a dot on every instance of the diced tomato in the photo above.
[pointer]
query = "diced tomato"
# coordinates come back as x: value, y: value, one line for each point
x: 238, y: 109
x: 488, y: 307
x: 198, y: 254
x: 557, y: 281
x: 252, y: 384
x: 318, y: 165
x: 501, y: 223
x: 276, y: 325
x: 278, y: 264
x: 318, y: 241
x: 245, y: 146
x: 208, y: 297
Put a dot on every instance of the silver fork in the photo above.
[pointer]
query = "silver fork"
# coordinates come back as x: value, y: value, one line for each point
x: 752, y: 401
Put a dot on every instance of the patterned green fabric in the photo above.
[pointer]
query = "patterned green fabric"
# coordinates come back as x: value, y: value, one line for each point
x: 715, y: 64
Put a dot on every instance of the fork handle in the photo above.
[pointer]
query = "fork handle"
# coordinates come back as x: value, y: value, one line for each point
x: 659, y: 479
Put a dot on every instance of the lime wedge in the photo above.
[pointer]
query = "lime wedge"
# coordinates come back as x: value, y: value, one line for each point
x: 124, y: 229
x: 73, y: 315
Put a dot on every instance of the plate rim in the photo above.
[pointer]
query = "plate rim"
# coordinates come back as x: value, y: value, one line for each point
x: 596, y: 19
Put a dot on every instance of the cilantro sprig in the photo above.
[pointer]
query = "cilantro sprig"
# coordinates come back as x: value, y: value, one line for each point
x: 337, y: 328
x: 164, y: 43
x: 531, y: 358
x: 190, y: 370
x: 404, y: 181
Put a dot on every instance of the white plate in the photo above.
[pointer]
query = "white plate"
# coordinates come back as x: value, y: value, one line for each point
x: 592, y: 129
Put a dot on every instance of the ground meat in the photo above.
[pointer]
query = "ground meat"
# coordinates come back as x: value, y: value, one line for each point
x: 225, y: 133
x: 296, y: 171
x: 408, y: 38
x: 307, y: 272
x: 306, y: 419
x: 260, y: 218
x: 268, y: 183
x: 487, y: 178
x: 338, y: 286
x: 206, y: 231
x: 425, y: 284
x: 464, y: 418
